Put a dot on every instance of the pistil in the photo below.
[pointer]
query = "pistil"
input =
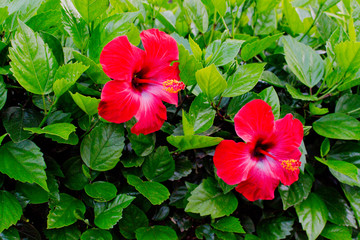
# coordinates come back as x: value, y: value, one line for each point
x: 288, y: 164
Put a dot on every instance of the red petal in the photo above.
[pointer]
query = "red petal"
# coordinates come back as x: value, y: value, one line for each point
x: 233, y: 161
x: 151, y: 114
x: 289, y: 177
x: 119, y: 102
x: 254, y: 121
x: 158, y: 91
x: 262, y: 180
x: 161, y: 50
x: 287, y: 136
x: 120, y: 59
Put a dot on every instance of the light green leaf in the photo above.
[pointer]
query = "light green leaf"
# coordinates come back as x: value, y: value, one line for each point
x: 266, y: 23
x: 64, y: 213
x: 101, y: 149
x: 228, y: 224
x: 62, y: 130
x: 201, y: 114
x: 188, y: 66
x: 347, y: 56
x: 303, y: 61
x: 198, y: 14
x: 325, y: 147
x: 184, y: 143
x: 338, y: 126
x: 295, y: 93
x: 156, y: 233
x: 95, y: 234
x: 159, y: 166
x: 108, y: 214
x: 293, y: 18
x: 254, y: 48
x: 312, y: 214
x: 32, y: 62
x: 244, y: 79
x: 219, y: 53
x: 88, y: 104
x: 155, y: 192
x: 24, y: 162
x: 101, y: 191
x: 66, y: 76
x: 196, y: 50
x: 207, y: 199
x: 211, y: 81
x: 91, y: 9
x: 343, y: 167
x: 10, y: 210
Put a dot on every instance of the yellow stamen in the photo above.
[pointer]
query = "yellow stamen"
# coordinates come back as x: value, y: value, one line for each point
x: 173, y: 86
x: 291, y: 164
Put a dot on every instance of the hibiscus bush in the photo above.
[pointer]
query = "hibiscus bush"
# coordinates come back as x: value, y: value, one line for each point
x: 180, y: 119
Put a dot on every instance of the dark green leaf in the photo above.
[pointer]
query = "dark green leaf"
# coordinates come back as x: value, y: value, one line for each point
x: 183, y: 168
x: 10, y: 210
x: 156, y: 233
x: 68, y: 233
x: 201, y: 114
x: 10, y: 234
x: 334, y: 232
x: 142, y: 144
x: 349, y: 104
x: 275, y: 228
x: 272, y: 79
x: 312, y: 214
x: 3, y: 93
x: 228, y: 224
x: 23, y: 161
x: 154, y: 191
x: 207, y: 199
x: 55, y: 46
x: 101, y: 149
x: 133, y: 218
x: 74, y: 176
x: 96, y: 234
x: 205, y: 231
x: 353, y: 196
x: 159, y: 166
x: 184, y: 143
x: 33, y: 192
x: 101, y: 191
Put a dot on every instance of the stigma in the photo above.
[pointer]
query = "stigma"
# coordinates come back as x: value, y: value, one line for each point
x: 291, y: 164
x: 173, y: 86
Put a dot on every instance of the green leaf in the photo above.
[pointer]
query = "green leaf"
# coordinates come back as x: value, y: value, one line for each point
x: 296, y: 192
x: 293, y: 18
x: 184, y: 143
x: 64, y: 213
x: 188, y: 66
x: 211, y: 81
x: 132, y: 161
x: 339, y: 126
x: 295, y: 93
x: 10, y: 234
x: 303, y: 61
x: 228, y: 224
x: 183, y: 167
x: 74, y: 176
x: 10, y: 210
x: 353, y: 196
x: 349, y: 104
x: 244, y: 79
x: 91, y: 9
x: 168, y: 19
x: 55, y: 46
x: 201, y: 114
x: 142, y: 144
x: 154, y: 191
x: 315, y: 110
x: 325, y: 147
x: 198, y: 14
x: 133, y: 218
x: 33, y: 192
x: 3, y: 93
x: 347, y: 56
x: 107, y: 30
x: 196, y: 50
x: 94, y: 71
x: 95, y: 234
x: 252, y: 49
x: 275, y: 228
x: 24, y: 162
x: 334, y: 232
x: 66, y: 76
x: 312, y: 214
x: 219, y: 53
x: 207, y: 199
x: 101, y: 191
x: 266, y: 23
x: 342, y: 167
x: 159, y: 166
x: 88, y: 104
x: 32, y: 62
x: 62, y: 130
x: 108, y: 214
x: 205, y: 231
x: 270, y: 96
x: 101, y: 149
x: 68, y: 233
x: 156, y: 233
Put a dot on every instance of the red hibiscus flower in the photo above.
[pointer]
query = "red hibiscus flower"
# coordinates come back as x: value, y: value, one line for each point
x: 270, y: 154
x: 142, y: 79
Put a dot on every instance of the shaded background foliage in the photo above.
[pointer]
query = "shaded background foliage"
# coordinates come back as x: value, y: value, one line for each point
x: 67, y: 174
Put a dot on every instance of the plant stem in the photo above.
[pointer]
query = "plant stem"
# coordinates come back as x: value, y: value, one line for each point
x: 44, y: 103
x: 47, y: 114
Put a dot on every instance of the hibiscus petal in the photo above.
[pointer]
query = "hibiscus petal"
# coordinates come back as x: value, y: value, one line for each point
x: 151, y: 114
x: 161, y: 50
x: 288, y: 134
x: 158, y: 91
x: 233, y: 161
x: 289, y: 177
x: 254, y: 121
x: 119, y: 102
x: 120, y: 59
x: 262, y: 180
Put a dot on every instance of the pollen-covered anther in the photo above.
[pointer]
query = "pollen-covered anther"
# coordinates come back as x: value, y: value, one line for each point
x: 291, y: 164
x: 173, y: 86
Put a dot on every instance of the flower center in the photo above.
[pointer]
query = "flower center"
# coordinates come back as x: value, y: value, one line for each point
x: 173, y: 86
x: 288, y: 164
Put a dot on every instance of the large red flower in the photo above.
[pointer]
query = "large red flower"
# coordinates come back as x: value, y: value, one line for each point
x: 270, y: 154
x: 142, y: 79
